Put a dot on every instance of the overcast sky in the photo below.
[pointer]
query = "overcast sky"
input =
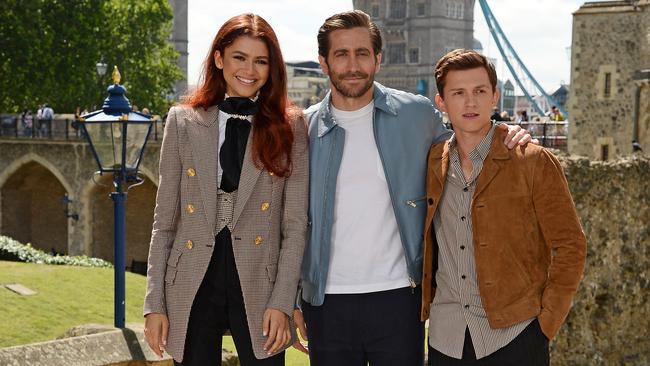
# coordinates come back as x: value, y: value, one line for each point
x: 539, y: 30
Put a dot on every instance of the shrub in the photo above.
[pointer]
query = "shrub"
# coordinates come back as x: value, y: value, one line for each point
x: 13, y: 250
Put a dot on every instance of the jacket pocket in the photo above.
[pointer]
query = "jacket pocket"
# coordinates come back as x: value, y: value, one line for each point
x: 174, y: 256
x: 170, y: 275
x: 272, y: 272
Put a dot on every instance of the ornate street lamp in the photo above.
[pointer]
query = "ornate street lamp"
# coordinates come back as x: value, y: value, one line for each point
x: 117, y: 137
x: 101, y: 68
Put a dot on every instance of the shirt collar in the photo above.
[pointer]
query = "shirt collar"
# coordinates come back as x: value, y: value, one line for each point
x: 223, y: 116
x: 480, y: 152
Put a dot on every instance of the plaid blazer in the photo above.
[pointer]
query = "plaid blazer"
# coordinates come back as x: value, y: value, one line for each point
x: 269, y: 226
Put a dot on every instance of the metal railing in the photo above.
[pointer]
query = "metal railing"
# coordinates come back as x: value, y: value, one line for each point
x: 57, y: 129
x: 549, y: 133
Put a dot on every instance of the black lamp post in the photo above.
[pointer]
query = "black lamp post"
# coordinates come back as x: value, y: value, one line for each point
x: 117, y: 137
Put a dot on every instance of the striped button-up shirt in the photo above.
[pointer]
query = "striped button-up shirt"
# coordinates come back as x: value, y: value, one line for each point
x: 457, y: 303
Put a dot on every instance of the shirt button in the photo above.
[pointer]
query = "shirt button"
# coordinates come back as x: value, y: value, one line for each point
x: 189, y: 244
x: 258, y: 240
x: 462, y: 247
x: 265, y: 206
x: 430, y: 200
x: 190, y: 208
x: 463, y: 277
x: 466, y: 306
x: 465, y: 189
x: 462, y: 218
x: 191, y: 172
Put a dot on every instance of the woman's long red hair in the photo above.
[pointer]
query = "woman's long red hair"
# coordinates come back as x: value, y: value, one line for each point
x: 272, y: 135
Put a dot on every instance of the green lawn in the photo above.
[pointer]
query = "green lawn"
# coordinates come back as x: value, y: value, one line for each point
x: 69, y: 296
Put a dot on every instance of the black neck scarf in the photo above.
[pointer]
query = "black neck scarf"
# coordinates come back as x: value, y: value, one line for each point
x: 231, y: 155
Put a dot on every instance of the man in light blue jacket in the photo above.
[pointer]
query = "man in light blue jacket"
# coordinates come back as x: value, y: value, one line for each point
x: 368, y: 157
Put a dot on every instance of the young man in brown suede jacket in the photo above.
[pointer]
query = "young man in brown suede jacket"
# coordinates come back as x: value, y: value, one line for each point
x: 504, y: 250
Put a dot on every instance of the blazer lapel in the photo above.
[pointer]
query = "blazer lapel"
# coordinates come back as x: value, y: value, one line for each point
x: 204, y: 137
x: 247, y: 180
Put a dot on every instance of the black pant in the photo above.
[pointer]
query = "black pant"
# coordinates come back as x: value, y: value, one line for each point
x: 529, y: 348
x: 219, y: 306
x: 380, y: 328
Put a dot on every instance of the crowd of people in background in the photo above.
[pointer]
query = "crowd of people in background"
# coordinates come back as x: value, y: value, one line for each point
x: 43, y: 123
x: 41, y: 126
x: 521, y: 116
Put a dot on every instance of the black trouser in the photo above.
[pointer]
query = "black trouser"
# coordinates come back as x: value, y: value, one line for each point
x: 219, y: 306
x: 529, y: 348
x: 380, y: 328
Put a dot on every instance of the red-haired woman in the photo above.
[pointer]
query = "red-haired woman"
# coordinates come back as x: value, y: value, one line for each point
x: 231, y: 210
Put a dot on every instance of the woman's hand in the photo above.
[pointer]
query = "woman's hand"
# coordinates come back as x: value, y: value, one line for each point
x: 275, y: 326
x: 156, y: 327
x: 302, y: 328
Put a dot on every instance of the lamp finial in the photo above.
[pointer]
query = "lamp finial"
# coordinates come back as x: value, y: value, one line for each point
x: 116, y: 75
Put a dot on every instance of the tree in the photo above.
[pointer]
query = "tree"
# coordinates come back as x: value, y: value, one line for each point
x: 49, y: 48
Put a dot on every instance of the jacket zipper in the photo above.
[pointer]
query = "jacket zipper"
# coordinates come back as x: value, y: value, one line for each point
x: 414, y: 202
x: 392, y: 202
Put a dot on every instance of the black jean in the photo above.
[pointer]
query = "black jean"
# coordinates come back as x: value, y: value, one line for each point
x: 218, y: 306
x: 379, y: 328
x: 529, y: 348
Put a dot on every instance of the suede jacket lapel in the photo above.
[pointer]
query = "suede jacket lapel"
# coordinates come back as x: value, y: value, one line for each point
x: 498, y: 151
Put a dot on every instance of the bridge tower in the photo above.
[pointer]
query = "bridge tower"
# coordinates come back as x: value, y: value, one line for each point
x: 416, y: 34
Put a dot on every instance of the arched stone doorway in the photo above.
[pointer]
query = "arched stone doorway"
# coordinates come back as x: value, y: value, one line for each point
x: 139, y: 218
x: 33, y: 208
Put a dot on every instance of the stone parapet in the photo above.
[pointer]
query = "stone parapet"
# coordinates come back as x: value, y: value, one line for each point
x: 115, y: 347
x: 94, y: 345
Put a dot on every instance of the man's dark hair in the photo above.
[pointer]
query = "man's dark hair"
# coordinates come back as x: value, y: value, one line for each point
x: 348, y: 20
x: 462, y: 59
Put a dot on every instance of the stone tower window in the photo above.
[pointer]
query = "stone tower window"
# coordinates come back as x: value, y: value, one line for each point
x: 374, y: 10
x: 397, y: 9
x: 421, y: 10
x: 607, y: 88
x: 604, y: 152
x: 606, y: 82
x: 414, y: 55
x: 603, y: 147
x: 397, y: 53
x: 455, y: 10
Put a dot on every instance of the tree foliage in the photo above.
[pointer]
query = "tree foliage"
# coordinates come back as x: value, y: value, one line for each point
x: 49, y: 48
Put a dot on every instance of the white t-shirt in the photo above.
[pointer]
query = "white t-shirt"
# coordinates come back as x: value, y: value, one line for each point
x: 366, y: 249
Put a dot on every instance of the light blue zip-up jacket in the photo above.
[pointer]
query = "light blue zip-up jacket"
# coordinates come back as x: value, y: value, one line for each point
x: 405, y: 126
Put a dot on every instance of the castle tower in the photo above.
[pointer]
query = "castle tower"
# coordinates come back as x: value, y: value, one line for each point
x: 609, y: 100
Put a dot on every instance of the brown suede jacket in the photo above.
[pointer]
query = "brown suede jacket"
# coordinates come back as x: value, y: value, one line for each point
x: 529, y: 246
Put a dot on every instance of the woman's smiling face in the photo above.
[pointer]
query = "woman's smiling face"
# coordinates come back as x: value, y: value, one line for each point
x: 245, y: 66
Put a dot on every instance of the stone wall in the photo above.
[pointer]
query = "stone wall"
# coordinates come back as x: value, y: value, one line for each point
x: 610, y: 321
